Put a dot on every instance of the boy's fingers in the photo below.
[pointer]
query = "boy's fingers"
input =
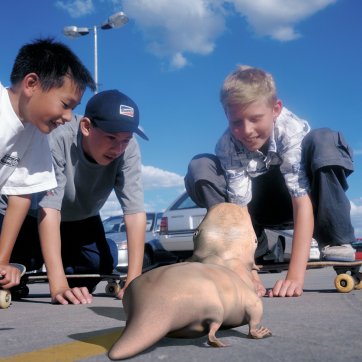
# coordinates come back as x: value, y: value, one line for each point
x: 74, y: 296
x: 276, y: 290
x: 285, y: 288
x: 10, y: 278
x: 79, y: 295
x: 121, y: 293
x: 58, y: 299
x: 83, y: 295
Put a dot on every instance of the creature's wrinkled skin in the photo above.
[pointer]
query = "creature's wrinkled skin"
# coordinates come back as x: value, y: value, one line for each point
x: 196, y: 298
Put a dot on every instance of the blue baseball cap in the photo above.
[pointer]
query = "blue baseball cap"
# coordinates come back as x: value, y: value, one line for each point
x: 113, y: 111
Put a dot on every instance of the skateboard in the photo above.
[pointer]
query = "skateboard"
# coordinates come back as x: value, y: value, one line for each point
x: 5, y: 294
x: 348, y: 276
x: 115, y: 282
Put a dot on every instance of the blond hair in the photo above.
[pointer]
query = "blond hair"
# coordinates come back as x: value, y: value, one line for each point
x: 248, y: 84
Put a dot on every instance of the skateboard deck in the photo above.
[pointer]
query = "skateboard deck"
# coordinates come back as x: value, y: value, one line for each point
x: 5, y: 294
x: 114, y: 281
x: 348, y: 276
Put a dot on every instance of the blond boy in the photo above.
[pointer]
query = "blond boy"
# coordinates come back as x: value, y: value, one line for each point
x: 270, y: 160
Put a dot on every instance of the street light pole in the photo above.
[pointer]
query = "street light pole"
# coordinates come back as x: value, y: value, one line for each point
x: 116, y: 20
x: 95, y: 58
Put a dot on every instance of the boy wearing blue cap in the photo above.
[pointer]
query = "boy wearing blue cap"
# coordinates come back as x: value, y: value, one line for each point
x: 92, y: 155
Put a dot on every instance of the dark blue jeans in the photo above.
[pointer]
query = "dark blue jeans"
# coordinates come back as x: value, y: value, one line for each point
x: 329, y: 162
x: 85, y: 248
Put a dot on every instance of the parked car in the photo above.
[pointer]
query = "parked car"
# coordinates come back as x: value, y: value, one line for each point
x: 183, y: 216
x: 112, y: 224
x: 154, y: 253
x: 178, y: 224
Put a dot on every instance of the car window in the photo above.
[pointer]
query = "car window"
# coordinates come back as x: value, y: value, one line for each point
x: 149, y: 223
x: 112, y: 224
x: 184, y: 203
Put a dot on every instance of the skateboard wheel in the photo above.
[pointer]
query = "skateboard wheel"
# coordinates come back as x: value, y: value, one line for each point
x: 358, y: 285
x: 344, y: 283
x: 112, y: 289
x: 20, y: 292
x: 5, y: 299
x: 359, y: 281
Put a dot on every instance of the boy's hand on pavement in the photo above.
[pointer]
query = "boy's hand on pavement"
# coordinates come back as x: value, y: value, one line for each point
x: 286, y: 288
x: 9, y: 276
x: 73, y: 296
x: 121, y: 292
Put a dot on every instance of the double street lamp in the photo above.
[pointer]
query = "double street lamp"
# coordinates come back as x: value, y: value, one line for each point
x: 116, y: 20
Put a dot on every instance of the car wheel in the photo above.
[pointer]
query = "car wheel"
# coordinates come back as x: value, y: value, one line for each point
x: 279, y: 251
x: 147, y: 260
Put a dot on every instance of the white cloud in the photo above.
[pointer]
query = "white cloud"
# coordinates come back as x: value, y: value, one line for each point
x: 112, y: 207
x: 76, y: 8
x: 277, y: 18
x: 179, y: 27
x: 157, y: 178
x: 178, y: 61
x: 356, y: 215
x: 154, y: 179
x: 175, y: 29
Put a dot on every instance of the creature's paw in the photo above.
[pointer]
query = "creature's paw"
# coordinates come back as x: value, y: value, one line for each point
x: 215, y: 342
x: 261, y: 332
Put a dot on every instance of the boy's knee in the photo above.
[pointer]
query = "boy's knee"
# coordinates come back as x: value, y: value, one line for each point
x: 202, y: 162
x: 318, y: 135
x: 324, y: 147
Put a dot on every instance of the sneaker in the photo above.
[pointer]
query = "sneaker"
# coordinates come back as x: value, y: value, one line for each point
x: 343, y: 252
x: 314, y: 253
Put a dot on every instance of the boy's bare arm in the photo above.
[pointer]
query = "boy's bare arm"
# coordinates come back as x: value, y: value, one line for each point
x: 49, y: 233
x: 136, y: 228
x: 16, y: 212
x: 293, y: 284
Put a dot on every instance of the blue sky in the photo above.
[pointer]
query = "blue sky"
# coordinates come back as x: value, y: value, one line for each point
x: 173, y: 56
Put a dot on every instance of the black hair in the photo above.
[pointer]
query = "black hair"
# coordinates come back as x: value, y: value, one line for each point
x: 51, y: 61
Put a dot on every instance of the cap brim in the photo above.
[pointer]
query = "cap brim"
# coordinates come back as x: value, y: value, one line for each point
x: 141, y: 134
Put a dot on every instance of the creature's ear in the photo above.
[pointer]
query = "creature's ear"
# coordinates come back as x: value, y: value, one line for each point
x: 196, y: 234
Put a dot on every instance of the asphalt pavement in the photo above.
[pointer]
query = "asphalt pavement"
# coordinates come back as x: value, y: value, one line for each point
x: 322, y: 325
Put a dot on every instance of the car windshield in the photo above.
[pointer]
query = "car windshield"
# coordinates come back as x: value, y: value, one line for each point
x: 112, y: 224
x: 184, y: 202
x: 115, y: 224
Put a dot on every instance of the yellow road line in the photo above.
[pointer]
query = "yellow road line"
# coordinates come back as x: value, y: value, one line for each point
x: 69, y: 352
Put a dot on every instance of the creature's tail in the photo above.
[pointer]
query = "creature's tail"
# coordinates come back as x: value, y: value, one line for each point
x: 137, y: 337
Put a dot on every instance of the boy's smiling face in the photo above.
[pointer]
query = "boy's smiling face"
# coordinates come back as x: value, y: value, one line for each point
x: 48, y: 109
x: 253, y: 124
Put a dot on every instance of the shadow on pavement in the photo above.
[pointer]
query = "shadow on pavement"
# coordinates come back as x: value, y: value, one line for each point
x: 110, y: 312
x: 103, y: 338
x: 106, y: 338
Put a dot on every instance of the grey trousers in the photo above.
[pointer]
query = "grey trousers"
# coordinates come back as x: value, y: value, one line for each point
x: 329, y: 161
